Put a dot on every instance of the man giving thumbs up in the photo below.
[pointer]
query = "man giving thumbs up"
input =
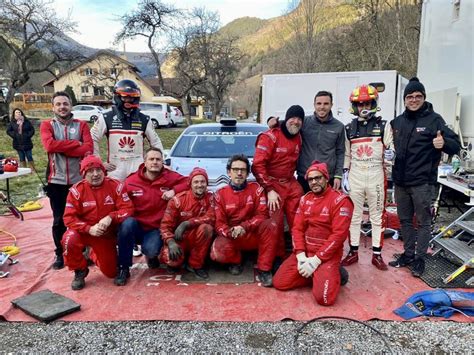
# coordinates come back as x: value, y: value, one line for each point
x: 419, y: 135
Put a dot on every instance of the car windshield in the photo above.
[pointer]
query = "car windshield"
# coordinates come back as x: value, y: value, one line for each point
x: 216, y: 144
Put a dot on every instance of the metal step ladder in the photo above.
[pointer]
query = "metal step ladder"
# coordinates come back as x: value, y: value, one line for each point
x: 461, y: 249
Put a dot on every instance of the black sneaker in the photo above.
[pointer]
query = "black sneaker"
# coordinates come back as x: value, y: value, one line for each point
x: 200, y: 273
x: 122, y: 276
x: 79, y: 279
x: 153, y: 263
x: 236, y: 269
x: 418, y: 267
x: 402, y: 261
x: 58, y: 263
x: 344, y: 275
x: 265, y: 278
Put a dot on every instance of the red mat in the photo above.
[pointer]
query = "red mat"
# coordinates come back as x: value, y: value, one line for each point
x: 155, y: 295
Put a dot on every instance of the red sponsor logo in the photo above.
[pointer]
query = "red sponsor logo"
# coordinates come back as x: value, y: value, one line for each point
x: 364, y: 150
x: 126, y: 141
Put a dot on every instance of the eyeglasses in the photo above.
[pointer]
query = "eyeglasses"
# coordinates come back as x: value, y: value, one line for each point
x: 315, y: 178
x: 239, y: 170
x: 414, y: 97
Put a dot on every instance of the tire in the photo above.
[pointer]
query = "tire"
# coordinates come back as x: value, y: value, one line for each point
x: 93, y: 119
x: 156, y: 125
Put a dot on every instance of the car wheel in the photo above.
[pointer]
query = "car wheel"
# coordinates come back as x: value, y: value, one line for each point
x: 156, y: 125
x: 93, y: 119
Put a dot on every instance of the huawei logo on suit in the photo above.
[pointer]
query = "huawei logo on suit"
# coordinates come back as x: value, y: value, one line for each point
x: 364, y: 150
x: 125, y: 142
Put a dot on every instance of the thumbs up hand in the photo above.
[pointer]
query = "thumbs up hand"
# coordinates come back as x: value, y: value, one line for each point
x: 438, y: 141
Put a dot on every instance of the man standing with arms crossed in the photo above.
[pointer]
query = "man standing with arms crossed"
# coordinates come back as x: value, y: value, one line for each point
x: 66, y: 141
x: 274, y: 164
x: 188, y: 224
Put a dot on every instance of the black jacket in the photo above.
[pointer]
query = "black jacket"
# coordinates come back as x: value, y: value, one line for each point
x: 417, y: 160
x: 21, y: 141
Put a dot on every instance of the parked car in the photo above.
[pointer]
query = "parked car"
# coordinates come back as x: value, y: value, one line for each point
x: 209, y: 146
x: 88, y: 113
x: 176, y: 115
x: 162, y: 114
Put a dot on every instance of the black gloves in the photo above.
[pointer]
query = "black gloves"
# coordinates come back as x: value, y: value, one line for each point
x: 174, y: 250
x: 179, y: 232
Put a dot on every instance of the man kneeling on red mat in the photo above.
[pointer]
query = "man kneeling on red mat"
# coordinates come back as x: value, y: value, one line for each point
x: 95, y: 207
x: 320, y: 228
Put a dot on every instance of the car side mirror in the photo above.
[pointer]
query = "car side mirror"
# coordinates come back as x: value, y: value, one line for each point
x: 167, y: 162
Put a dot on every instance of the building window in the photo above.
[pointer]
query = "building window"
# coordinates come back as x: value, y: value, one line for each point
x: 84, y: 89
x: 113, y: 71
x: 99, y: 91
x: 456, y: 9
x: 111, y: 89
x: 89, y: 72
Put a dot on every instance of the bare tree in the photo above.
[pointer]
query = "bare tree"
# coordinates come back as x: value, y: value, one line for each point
x: 189, y: 64
x: 30, y: 31
x: 152, y: 20
x: 301, y: 35
x: 222, y: 58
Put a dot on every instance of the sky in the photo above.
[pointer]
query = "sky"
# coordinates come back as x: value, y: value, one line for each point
x: 97, y: 20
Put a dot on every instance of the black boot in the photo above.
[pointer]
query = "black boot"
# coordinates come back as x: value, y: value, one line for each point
x: 265, y: 277
x: 122, y: 276
x: 79, y: 279
x: 58, y: 263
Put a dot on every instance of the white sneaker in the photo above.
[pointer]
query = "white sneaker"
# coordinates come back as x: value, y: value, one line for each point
x: 137, y: 250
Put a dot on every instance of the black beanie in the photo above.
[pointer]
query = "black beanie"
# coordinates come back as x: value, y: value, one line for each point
x: 294, y: 111
x: 413, y: 86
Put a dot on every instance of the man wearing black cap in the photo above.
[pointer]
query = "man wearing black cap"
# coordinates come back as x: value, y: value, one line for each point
x: 274, y: 164
x: 420, y: 135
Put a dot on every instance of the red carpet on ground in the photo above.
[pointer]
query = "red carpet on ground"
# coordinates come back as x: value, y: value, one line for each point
x: 155, y: 295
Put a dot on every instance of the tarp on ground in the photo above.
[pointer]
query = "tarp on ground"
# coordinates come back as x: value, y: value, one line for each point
x: 156, y: 295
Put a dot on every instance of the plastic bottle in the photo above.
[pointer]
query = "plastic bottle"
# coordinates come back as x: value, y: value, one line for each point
x: 456, y: 163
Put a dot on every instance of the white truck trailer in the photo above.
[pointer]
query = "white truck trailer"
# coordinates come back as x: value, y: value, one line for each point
x: 446, y: 62
x: 280, y: 91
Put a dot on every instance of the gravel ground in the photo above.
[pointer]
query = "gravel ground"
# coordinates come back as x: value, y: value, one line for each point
x: 282, y: 337
x: 328, y: 336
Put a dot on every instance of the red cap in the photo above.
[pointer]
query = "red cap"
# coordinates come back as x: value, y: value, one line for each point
x: 198, y: 171
x: 318, y: 166
x: 89, y: 162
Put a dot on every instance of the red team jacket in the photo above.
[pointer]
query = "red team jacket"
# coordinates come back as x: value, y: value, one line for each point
x: 247, y: 208
x: 187, y: 207
x: 146, y: 195
x: 322, y: 224
x: 86, y: 205
x: 275, y: 156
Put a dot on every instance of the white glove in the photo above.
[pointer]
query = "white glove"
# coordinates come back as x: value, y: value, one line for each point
x: 301, y: 257
x: 345, y: 182
x: 310, y: 266
x: 389, y: 154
